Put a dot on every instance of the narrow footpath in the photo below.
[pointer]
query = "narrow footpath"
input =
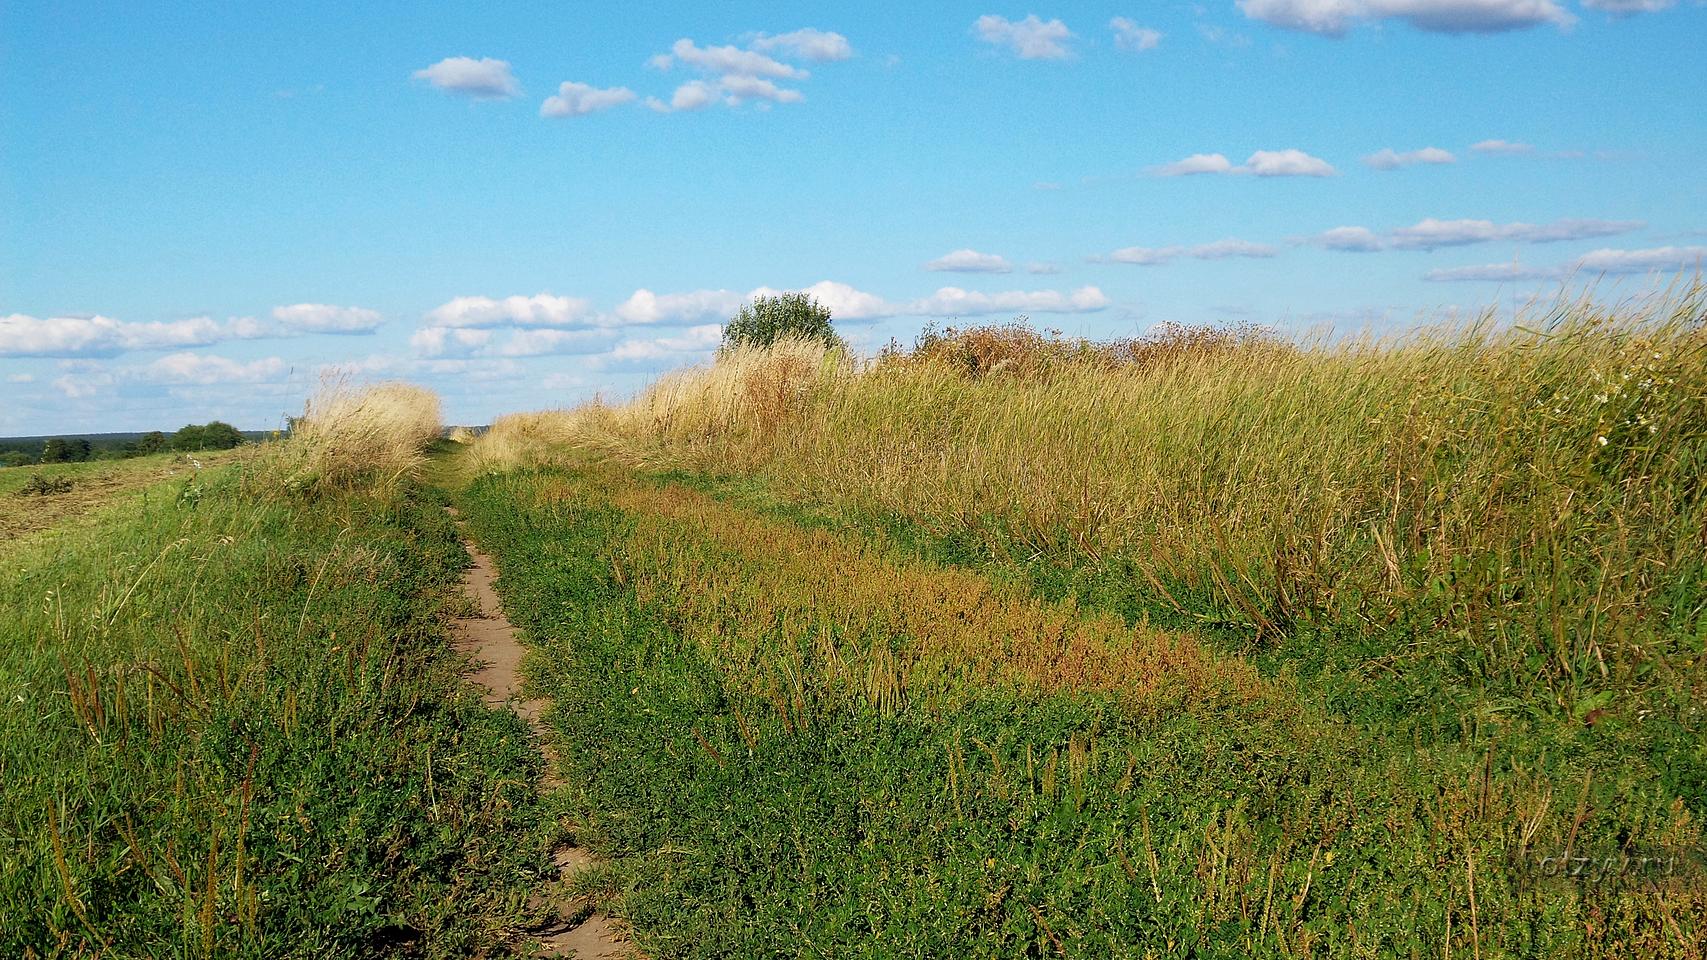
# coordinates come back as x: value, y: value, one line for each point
x: 490, y: 640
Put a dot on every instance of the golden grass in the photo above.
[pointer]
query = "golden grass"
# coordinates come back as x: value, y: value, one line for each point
x: 358, y: 436
x: 1529, y: 487
x: 886, y: 629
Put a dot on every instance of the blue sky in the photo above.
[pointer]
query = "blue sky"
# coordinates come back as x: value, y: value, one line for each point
x: 205, y: 208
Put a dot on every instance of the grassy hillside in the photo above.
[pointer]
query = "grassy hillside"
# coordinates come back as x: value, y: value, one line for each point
x: 1205, y: 642
x: 230, y: 724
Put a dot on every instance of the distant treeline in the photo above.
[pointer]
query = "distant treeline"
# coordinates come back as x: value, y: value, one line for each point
x: 75, y: 448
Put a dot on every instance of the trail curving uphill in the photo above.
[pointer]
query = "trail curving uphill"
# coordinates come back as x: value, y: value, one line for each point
x: 492, y: 643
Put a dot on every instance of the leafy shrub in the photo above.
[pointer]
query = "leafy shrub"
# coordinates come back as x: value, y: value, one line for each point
x: 43, y: 486
x: 786, y: 316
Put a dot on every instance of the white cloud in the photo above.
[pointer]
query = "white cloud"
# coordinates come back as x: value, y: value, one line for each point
x: 970, y: 261
x: 741, y: 88
x: 1028, y: 39
x: 1219, y: 250
x: 22, y: 335
x: 726, y: 60
x: 1132, y: 38
x: 1642, y: 261
x: 644, y: 306
x: 483, y: 79
x: 955, y: 302
x: 1354, y: 239
x: 845, y: 302
x: 1263, y: 163
x: 1195, y: 164
x: 201, y: 368
x: 1502, y: 147
x: 579, y: 99
x: 1432, y: 234
x: 1041, y: 267
x: 1624, y: 8
x: 539, y: 342
x: 743, y: 75
x: 20, y: 378
x: 693, y: 95
x: 438, y: 341
x: 1334, y: 17
x: 1286, y: 163
x: 25, y: 336
x: 1390, y: 159
x: 540, y: 310
x: 326, y: 318
x: 1594, y: 263
x: 700, y: 339
x: 818, y: 46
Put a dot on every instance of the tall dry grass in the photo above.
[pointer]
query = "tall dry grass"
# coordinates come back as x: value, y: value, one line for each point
x: 356, y: 436
x: 1531, y: 489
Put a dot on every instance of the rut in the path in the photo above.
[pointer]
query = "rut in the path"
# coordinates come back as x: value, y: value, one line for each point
x: 490, y: 639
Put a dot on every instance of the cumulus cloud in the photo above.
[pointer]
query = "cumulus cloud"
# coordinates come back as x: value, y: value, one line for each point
x: 539, y: 342
x: 1132, y: 38
x: 955, y: 302
x: 818, y: 46
x: 439, y: 341
x: 326, y: 318
x: 22, y: 335
x: 201, y: 368
x: 970, y: 261
x: 579, y: 99
x: 539, y: 310
x: 1263, y: 163
x: 1195, y: 164
x: 737, y: 76
x: 1219, y: 250
x: 1028, y: 39
x: 1502, y: 147
x: 726, y: 60
x: 739, y: 88
x: 637, y: 351
x: 1333, y: 18
x: 1432, y: 234
x: 483, y: 79
x: 643, y: 306
x: 1390, y: 159
x: 1287, y: 163
x: 1594, y: 263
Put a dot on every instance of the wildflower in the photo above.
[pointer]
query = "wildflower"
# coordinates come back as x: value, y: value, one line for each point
x: 1602, y: 440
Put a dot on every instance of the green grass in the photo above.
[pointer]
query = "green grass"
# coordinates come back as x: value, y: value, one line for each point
x: 230, y: 725
x: 757, y: 803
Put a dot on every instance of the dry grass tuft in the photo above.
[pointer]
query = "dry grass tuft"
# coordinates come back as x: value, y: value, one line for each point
x: 368, y: 436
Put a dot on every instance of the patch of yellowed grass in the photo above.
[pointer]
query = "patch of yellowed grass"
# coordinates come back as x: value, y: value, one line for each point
x: 358, y: 436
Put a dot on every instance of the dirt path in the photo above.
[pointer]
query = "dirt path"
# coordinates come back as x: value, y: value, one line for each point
x: 490, y: 639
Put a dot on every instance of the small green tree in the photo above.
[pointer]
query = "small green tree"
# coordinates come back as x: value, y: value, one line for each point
x: 219, y: 435
x: 56, y: 450
x: 769, y: 319
x: 151, y: 442
x: 190, y: 436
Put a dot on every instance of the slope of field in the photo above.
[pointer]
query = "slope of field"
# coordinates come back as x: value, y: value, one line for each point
x: 75, y: 489
x: 1409, y: 625
x: 795, y: 740
x: 231, y: 725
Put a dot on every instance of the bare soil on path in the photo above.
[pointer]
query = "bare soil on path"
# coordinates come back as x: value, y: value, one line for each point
x: 492, y: 643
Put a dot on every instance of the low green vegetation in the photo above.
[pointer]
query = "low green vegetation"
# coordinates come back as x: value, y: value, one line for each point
x: 231, y: 726
x: 795, y: 729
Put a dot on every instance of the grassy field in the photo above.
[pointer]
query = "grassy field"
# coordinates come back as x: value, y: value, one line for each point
x: 65, y: 491
x: 1205, y: 644
x: 230, y: 724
